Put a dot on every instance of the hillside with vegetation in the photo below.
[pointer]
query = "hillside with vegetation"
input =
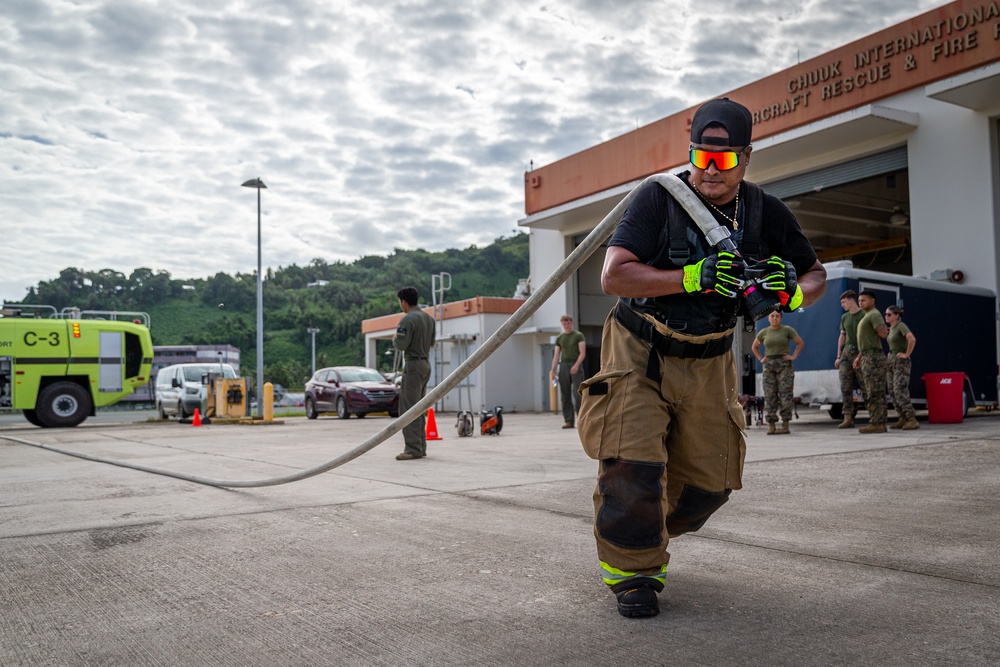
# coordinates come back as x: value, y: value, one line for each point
x: 222, y: 308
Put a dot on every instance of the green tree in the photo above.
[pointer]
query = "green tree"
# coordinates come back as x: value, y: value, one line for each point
x: 356, y: 291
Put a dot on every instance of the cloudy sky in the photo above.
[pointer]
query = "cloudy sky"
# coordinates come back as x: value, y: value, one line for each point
x: 127, y: 126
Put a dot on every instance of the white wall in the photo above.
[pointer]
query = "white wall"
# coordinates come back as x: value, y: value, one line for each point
x: 509, y: 375
x: 594, y: 303
x: 506, y: 378
x: 953, y: 162
x: 548, y: 248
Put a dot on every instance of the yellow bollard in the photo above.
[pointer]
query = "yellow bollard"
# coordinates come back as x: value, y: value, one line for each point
x: 554, y: 396
x: 268, y: 402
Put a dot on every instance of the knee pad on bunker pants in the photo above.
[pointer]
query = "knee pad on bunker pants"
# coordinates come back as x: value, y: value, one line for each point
x: 693, y: 509
x: 630, y: 512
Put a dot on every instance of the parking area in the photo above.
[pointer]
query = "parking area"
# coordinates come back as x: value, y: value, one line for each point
x: 841, y: 549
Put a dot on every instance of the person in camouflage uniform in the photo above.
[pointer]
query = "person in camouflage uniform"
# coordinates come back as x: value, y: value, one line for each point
x: 871, y: 361
x: 901, y: 343
x: 779, y: 374
x: 847, y: 350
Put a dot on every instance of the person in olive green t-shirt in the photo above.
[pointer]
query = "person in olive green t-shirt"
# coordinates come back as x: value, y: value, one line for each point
x: 571, y: 350
x: 414, y: 337
x: 847, y: 350
x: 871, y: 361
x: 901, y: 343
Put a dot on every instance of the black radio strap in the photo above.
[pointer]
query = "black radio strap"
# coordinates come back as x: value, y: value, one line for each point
x: 678, y: 251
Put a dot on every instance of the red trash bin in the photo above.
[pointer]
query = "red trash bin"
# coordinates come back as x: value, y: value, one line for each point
x: 945, y: 397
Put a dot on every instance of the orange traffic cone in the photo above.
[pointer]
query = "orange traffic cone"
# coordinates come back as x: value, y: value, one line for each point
x: 197, y: 418
x: 432, y: 426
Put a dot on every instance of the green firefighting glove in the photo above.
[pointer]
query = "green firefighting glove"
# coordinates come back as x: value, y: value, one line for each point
x: 721, y: 273
x: 780, y: 278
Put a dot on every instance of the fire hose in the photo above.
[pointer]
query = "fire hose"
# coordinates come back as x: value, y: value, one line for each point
x: 568, y: 267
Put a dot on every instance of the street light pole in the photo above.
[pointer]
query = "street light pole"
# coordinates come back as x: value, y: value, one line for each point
x: 313, y: 331
x: 259, y: 184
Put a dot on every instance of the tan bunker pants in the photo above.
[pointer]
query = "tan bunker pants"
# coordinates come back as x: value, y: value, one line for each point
x: 670, y: 448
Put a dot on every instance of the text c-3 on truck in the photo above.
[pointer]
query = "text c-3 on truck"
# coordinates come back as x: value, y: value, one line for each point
x: 57, y: 368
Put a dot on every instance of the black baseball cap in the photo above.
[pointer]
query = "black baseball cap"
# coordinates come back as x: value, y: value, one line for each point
x: 733, y: 116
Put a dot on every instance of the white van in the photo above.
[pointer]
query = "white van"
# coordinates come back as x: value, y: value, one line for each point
x: 182, y: 387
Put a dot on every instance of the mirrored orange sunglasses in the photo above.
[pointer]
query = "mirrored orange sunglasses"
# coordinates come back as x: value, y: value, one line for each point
x: 724, y: 160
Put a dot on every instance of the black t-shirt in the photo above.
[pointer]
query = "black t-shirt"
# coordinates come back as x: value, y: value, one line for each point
x: 643, y: 231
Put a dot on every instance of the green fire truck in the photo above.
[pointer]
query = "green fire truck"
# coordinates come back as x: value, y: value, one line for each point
x: 57, y: 368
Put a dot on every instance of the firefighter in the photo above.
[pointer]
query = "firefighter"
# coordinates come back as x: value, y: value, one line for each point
x: 662, y: 416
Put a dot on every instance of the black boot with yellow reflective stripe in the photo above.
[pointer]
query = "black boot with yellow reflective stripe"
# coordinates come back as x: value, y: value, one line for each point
x: 637, y: 597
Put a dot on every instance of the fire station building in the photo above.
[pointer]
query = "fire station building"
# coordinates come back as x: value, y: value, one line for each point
x: 885, y: 149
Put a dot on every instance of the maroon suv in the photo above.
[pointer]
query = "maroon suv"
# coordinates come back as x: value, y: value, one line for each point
x: 350, y: 390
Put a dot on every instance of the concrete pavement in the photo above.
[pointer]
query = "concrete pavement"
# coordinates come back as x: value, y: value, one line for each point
x: 841, y: 549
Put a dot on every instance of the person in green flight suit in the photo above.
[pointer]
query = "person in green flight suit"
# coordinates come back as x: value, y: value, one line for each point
x: 414, y: 337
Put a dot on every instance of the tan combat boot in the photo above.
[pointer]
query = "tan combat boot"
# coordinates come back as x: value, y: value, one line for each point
x: 770, y: 428
x: 911, y: 424
x: 873, y: 428
x: 848, y: 422
x: 899, y: 424
x: 783, y: 429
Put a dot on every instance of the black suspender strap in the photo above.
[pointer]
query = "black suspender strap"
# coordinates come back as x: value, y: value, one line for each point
x: 678, y: 251
x: 754, y: 198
